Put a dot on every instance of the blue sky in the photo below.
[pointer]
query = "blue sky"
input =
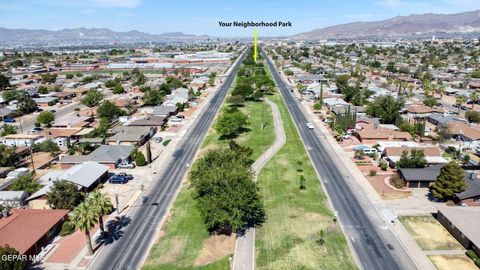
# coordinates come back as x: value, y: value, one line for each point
x: 201, y: 17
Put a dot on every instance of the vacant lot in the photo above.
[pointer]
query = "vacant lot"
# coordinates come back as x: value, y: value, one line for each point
x: 453, y: 262
x: 290, y: 237
x: 184, y: 242
x: 429, y: 233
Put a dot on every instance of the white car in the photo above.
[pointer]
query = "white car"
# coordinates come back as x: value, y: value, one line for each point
x: 310, y: 126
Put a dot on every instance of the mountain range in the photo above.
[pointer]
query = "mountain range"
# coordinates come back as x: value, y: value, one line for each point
x: 419, y: 25
x: 401, y: 26
x: 91, y: 34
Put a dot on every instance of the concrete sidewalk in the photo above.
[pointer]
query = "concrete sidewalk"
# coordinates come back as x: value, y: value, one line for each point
x: 244, y: 258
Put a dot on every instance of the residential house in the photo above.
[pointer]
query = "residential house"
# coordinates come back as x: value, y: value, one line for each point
x: 21, y: 139
x: 433, y: 154
x: 463, y: 224
x: 13, y: 199
x: 420, y: 177
x: 45, y: 101
x: 464, y: 132
x: 149, y: 121
x: 108, y: 155
x: 371, y: 135
x: 61, y: 136
x: 471, y: 195
x: 72, y: 121
x: 131, y: 135
x: 29, y: 230
x: 86, y: 176
x: 6, y: 112
x: 332, y: 102
x: 164, y: 110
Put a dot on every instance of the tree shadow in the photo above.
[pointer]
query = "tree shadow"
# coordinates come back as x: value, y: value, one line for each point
x: 35, y: 266
x: 113, y: 231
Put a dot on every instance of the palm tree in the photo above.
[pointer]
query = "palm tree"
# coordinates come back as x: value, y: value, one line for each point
x: 440, y: 89
x: 83, y: 218
x: 460, y: 100
x: 101, y: 205
x: 474, y: 96
x: 427, y: 88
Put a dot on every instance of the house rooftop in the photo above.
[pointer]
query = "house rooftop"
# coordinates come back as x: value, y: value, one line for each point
x: 103, y: 154
x: 466, y: 219
x: 25, y: 227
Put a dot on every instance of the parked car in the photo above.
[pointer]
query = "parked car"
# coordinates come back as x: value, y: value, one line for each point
x: 9, y: 120
x: 180, y: 116
x: 360, y: 147
x: 158, y: 139
x: 125, y: 175
x: 126, y: 165
x: 39, y: 110
x: 53, y: 111
x: 310, y: 126
x: 116, y: 179
x: 36, y: 130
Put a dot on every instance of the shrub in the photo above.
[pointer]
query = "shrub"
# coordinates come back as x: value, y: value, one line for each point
x: 397, y: 181
x: 140, y: 159
x: 67, y: 228
x: 373, y: 172
x: 383, y: 166
x: 472, y: 255
x: 166, y: 142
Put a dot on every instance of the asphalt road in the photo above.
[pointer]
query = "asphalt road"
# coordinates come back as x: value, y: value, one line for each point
x: 131, y: 248
x: 374, y: 244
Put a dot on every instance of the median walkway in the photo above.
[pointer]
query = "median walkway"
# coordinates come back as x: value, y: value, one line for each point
x: 244, y: 258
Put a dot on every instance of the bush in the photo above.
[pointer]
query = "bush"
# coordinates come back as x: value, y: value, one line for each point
x: 166, y: 142
x: 140, y: 159
x: 397, y: 181
x: 383, y: 166
x: 67, y: 228
x: 472, y: 255
x: 373, y: 172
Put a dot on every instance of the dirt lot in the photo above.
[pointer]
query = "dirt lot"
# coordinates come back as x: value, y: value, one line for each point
x: 429, y: 233
x: 453, y: 262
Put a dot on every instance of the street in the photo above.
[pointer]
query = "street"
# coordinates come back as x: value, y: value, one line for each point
x: 129, y: 251
x: 373, y: 244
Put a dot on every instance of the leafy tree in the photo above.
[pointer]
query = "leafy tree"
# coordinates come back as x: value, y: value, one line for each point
x: 386, y: 107
x: 26, y: 104
x: 473, y: 116
x: 8, y: 129
x: 17, y: 63
x: 211, y: 78
x: 109, y: 110
x: 416, y: 159
x: 26, y: 183
x: 46, y: 118
x: 92, y: 98
x: 225, y: 193
x: 450, y: 181
x: 7, y: 156
x: 118, y: 89
x: 174, y: 83
x: 9, y: 95
x: 64, y: 195
x: 4, y: 82
x: 139, y: 158
x: 49, y: 78
x: 48, y: 146
x: 391, y: 67
x: 83, y: 218
x: 152, y: 98
x: 69, y: 76
x: 165, y: 89
x: 318, y: 105
x: 430, y: 102
x: 230, y: 124
x: 101, y: 205
x: 43, y: 90
x: 14, y: 264
x: 244, y: 90
x: 460, y: 100
x: 236, y: 100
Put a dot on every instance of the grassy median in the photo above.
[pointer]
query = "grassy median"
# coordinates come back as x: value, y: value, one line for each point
x: 184, y: 242
x: 291, y: 238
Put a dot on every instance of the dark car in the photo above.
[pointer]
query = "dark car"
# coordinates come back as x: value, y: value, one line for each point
x: 125, y: 175
x: 8, y: 120
x: 53, y: 111
x: 117, y: 179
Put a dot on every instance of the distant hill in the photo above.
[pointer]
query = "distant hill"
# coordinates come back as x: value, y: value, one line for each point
x: 92, y: 34
x: 412, y: 25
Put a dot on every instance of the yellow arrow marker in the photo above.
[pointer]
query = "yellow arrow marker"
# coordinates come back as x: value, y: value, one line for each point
x: 255, y: 35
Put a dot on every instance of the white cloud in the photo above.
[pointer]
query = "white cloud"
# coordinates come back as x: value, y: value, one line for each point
x: 117, y: 3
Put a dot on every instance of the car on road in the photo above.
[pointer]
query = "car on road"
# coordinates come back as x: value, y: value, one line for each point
x: 180, y: 116
x: 310, y: 125
x: 117, y: 179
x: 176, y: 119
x: 53, y: 111
x: 9, y: 120
x: 126, y: 165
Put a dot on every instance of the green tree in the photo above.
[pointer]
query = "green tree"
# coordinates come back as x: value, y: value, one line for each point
x: 386, y: 107
x: 450, y: 181
x: 236, y: 100
x: 26, y: 104
x: 48, y: 146
x: 26, y: 183
x: 318, y: 105
x: 46, y: 118
x: 4, y: 82
x: 8, y: 129
x: 92, y: 98
x: 118, y: 89
x: 474, y: 96
x: 139, y: 159
x: 43, y: 90
x: 101, y: 205
x: 7, y: 156
x: 211, y: 78
x: 64, y: 195
x: 9, y: 95
x: 109, y: 110
x: 430, y: 102
x: 14, y: 264
x: 460, y: 100
x: 473, y: 116
x: 230, y: 124
x: 83, y: 218
x: 416, y: 159
x: 152, y: 98
x: 49, y: 78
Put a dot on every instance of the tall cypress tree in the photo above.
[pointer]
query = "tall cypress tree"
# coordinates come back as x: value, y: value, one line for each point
x: 450, y: 181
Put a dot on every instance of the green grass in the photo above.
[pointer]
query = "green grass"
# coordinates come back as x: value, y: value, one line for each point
x: 184, y: 232
x: 295, y: 217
